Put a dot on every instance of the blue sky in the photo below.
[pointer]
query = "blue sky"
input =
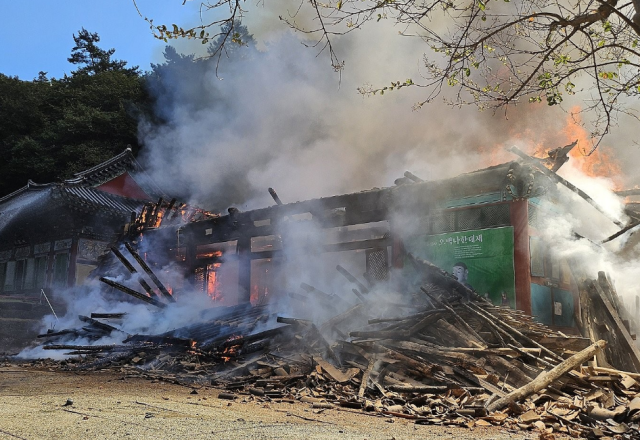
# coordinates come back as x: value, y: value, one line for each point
x: 37, y: 34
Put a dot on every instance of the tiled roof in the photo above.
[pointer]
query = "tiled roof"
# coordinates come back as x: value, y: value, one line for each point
x: 90, y: 199
x: 114, y: 167
x: 80, y: 192
x: 105, y: 171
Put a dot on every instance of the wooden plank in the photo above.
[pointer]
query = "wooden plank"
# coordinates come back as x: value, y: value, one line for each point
x: 365, y: 377
x: 333, y: 372
x: 624, y: 339
x: 574, y: 343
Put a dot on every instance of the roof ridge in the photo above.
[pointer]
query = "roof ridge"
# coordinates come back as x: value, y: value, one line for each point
x: 30, y: 184
x: 127, y: 154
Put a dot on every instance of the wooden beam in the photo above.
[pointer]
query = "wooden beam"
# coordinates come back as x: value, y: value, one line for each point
x: 624, y: 338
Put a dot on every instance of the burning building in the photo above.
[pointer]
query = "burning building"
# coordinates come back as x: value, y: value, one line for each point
x: 486, y: 227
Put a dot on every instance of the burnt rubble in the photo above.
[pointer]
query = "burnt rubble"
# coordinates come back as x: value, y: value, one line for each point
x: 452, y: 358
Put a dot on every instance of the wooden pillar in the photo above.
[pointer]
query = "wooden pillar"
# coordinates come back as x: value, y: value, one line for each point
x: 73, y: 256
x: 519, y: 212
x: 48, y: 276
x: 244, y: 269
x: 397, y: 252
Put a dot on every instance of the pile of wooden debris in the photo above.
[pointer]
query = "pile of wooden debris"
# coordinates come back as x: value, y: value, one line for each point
x: 457, y: 360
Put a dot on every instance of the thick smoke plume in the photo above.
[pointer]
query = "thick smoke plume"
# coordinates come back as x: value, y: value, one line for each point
x: 278, y: 117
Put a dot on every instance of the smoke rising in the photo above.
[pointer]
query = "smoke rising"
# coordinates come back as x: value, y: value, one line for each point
x: 277, y: 117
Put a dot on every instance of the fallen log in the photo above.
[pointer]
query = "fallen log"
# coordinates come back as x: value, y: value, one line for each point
x: 546, y: 379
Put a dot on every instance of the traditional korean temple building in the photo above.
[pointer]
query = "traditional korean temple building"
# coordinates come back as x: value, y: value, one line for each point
x: 52, y: 234
x: 488, y: 223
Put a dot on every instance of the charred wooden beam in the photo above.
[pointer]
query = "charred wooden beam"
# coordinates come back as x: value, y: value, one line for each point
x: 357, y: 293
x: 98, y: 324
x: 108, y: 315
x: 363, y: 289
x: 407, y: 318
x: 553, y: 176
x: 149, y: 272
x: 441, y: 278
x: 329, y: 300
x: 169, y: 209
x: 559, y: 156
x: 620, y: 232
x: 175, y: 212
x: 298, y: 297
x: 151, y: 221
x: 502, y: 323
x: 624, y: 343
x: 275, y: 197
x: 59, y: 333
x: 293, y: 321
x: 381, y: 334
x: 457, y: 317
x: 343, y: 317
x: 147, y: 288
x: 92, y: 348
x: 133, y: 293
x: 243, y: 340
x: 161, y: 340
x: 628, y: 192
x: 413, y: 177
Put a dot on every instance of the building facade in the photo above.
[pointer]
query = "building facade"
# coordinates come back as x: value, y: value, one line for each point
x: 51, y: 235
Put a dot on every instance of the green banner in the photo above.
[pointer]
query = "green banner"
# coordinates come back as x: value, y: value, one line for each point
x: 482, y: 259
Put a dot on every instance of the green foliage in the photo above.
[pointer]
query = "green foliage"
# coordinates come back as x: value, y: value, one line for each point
x: 51, y: 128
x: 92, y: 59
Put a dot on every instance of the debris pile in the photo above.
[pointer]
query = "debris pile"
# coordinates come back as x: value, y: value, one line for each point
x: 455, y: 360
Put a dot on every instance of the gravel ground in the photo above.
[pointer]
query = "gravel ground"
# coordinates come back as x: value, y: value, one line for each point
x: 33, y: 405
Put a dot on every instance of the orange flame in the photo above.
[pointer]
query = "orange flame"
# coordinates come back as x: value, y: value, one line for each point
x: 214, y: 290
x: 601, y: 162
x: 232, y: 350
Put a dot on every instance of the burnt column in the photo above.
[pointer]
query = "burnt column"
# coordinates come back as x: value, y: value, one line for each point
x: 519, y: 212
x: 73, y: 256
x: 244, y: 269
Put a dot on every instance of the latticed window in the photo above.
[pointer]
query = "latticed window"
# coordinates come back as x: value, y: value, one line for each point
x: 41, y: 272
x: 377, y: 264
x: 534, y: 216
x: 61, y: 269
x: 29, y: 274
x: 3, y: 268
x: 468, y: 219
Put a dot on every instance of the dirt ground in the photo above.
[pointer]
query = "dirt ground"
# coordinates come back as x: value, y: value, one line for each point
x: 35, y: 403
